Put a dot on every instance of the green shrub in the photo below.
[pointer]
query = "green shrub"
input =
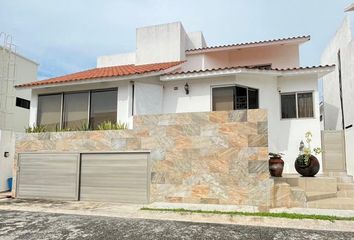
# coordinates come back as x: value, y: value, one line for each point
x: 36, y: 129
x: 108, y: 125
x: 84, y: 127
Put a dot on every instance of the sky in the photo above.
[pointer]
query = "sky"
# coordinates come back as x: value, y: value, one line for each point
x: 66, y: 36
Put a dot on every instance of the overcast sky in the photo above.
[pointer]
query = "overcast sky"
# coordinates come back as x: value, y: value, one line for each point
x: 65, y: 36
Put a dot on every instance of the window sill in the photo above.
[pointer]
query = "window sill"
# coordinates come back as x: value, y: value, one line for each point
x: 307, y: 118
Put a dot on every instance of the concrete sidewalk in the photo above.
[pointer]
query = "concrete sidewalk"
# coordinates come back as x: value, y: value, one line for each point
x: 133, y: 211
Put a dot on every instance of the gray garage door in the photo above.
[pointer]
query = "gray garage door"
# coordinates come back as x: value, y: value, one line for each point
x: 48, y: 176
x: 114, y: 177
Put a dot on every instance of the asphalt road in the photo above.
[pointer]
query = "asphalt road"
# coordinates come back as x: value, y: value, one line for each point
x: 33, y: 225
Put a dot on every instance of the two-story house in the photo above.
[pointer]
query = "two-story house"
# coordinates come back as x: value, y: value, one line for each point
x: 172, y: 71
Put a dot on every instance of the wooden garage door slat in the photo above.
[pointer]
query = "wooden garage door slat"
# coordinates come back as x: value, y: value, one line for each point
x: 119, y: 177
x: 51, y: 176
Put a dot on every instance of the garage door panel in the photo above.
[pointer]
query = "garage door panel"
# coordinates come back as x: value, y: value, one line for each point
x: 52, y: 176
x: 119, y: 177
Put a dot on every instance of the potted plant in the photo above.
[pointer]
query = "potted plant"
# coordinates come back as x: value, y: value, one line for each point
x: 276, y: 164
x: 306, y: 163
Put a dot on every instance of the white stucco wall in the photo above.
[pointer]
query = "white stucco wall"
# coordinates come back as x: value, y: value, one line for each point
x: 342, y: 41
x: 284, y: 135
x: 16, y: 117
x: 148, y: 98
x: 195, y: 40
x: 116, y: 60
x: 160, y: 43
x: 26, y: 71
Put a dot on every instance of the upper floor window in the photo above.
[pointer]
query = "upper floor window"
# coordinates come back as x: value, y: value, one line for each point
x: 234, y: 98
x: 297, y: 105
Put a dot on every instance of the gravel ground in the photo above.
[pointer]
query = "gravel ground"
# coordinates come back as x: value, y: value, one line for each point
x: 34, y: 225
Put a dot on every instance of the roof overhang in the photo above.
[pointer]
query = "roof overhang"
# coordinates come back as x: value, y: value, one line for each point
x: 350, y: 8
x: 319, y: 71
x: 103, y: 79
x: 284, y: 41
x: 94, y: 81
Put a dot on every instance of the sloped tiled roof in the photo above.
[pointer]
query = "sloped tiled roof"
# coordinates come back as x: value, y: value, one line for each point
x: 115, y: 71
x: 306, y: 38
x: 247, y: 67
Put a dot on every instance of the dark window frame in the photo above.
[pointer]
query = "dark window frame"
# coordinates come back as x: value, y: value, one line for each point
x: 23, y: 103
x: 61, y: 120
x: 297, y: 104
x: 234, y: 86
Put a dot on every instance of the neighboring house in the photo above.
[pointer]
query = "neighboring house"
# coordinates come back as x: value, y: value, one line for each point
x: 14, y: 104
x: 338, y: 86
x: 172, y: 71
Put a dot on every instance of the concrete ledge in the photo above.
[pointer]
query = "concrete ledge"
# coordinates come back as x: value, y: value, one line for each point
x: 310, y: 184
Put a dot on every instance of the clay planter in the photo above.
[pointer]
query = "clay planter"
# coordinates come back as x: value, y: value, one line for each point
x: 276, y: 166
x: 310, y: 170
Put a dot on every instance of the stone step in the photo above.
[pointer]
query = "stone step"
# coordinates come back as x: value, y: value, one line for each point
x: 345, y: 186
x: 333, y: 203
x: 347, y: 193
x: 313, y: 196
x: 311, y: 184
x: 335, y: 174
x: 345, y: 179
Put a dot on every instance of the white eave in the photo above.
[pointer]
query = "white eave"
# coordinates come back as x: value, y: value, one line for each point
x: 285, y: 41
x: 319, y: 71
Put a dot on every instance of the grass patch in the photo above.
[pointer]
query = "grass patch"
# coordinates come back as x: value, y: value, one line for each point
x: 256, y: 214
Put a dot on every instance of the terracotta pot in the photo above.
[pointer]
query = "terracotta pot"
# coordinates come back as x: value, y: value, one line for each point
x: 276, y: 166
x: 310, y: 170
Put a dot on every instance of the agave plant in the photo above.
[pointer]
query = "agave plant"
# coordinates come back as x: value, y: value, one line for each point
x: 84, y: 127
x: 36, y: 129
x: 108, y: 125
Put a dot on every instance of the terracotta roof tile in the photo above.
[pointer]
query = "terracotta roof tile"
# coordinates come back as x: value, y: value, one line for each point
x: 115, y: 71
x: 251, y: 43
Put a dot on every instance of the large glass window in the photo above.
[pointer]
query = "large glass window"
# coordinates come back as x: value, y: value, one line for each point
x: 49, y: 111
x: 75, y: 111
x: 234, y: 97
x: 223, y: 98
x: 297, y: 105
x: 103, y: 107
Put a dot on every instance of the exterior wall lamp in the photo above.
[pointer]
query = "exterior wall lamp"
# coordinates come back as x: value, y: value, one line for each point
x: 186, y: 88
x: 6, y: 154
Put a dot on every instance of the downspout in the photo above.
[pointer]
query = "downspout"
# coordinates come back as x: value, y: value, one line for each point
x: 340, y: 88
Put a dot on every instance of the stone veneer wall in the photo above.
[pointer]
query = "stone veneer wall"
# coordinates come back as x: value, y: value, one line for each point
x: 208, y: 157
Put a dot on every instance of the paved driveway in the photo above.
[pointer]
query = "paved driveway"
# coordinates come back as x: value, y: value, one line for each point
x: 33, y: 225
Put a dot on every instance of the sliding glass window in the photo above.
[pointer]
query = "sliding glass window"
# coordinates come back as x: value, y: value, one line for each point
x: 103, y: 107
x: 49, y: 111
x: 75, y: 110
